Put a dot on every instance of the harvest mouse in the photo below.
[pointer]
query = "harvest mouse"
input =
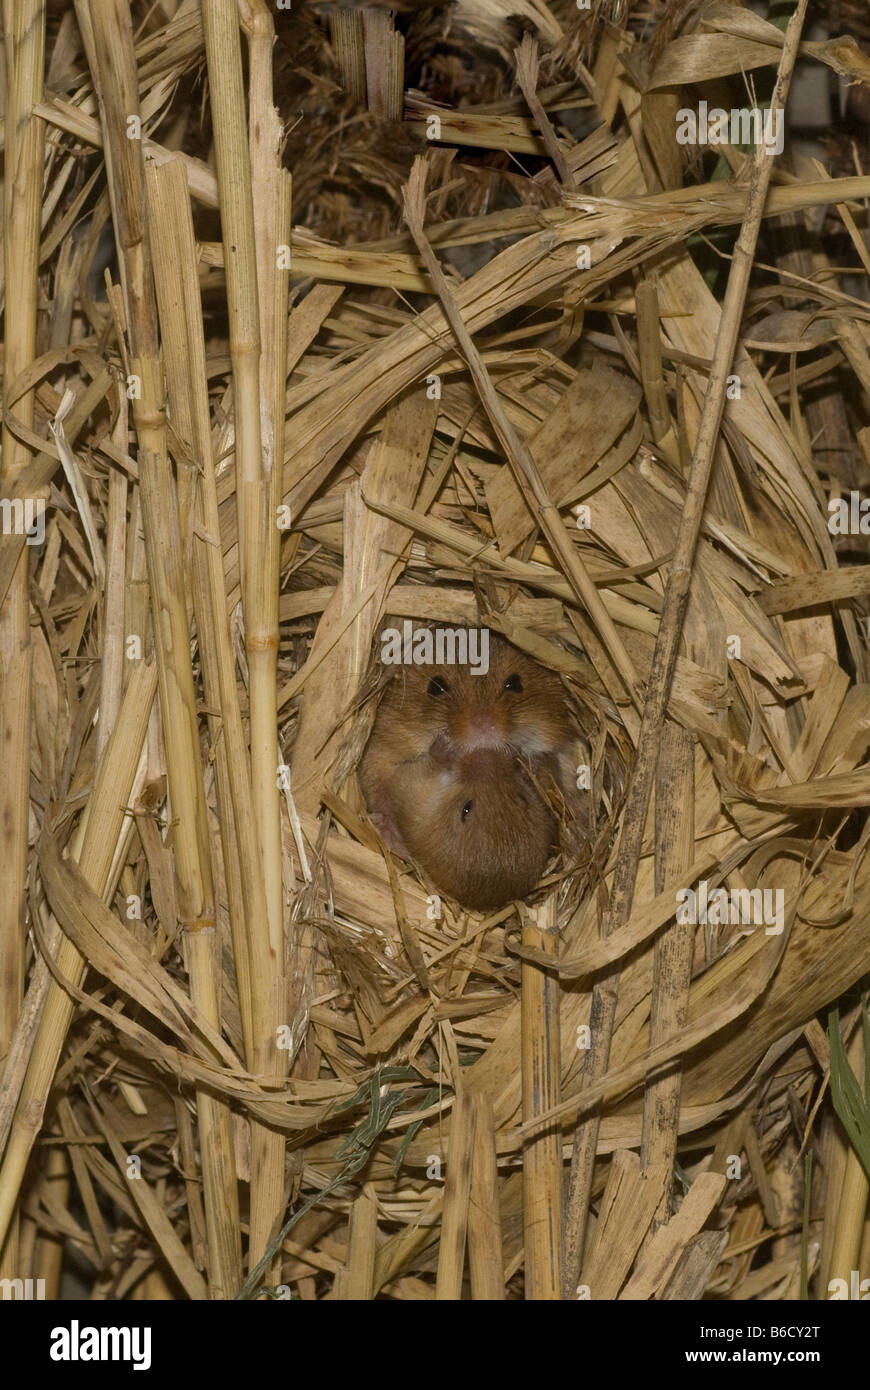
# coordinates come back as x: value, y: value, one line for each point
x: 445, y: 738
x: 516, y: 705
x: 476, y: 823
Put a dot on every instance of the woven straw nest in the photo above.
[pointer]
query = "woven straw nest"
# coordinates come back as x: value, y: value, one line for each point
x: 225, y: 977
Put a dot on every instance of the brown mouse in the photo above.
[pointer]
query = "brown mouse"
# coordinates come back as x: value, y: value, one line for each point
x: 426, y: 752
x: 476, y: 823
x: 516, y: 705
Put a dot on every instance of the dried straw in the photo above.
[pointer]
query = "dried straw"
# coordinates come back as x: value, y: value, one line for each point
x: 480, y: 370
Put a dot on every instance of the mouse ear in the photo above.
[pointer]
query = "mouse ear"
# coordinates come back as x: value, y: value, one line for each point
x: 441, y: 748
x: 383, y: 816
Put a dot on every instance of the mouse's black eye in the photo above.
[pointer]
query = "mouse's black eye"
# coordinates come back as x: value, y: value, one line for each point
x: 466, y: 810
x: 437, y: 687
x: 514, y: 683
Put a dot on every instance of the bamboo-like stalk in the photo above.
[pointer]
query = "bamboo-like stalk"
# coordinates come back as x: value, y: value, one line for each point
x: 271, y: 193
x: 605, y: 994
x: 114, y: 71
x: 853, y: 1192
x: 357, y: 1280
x: 485, y: 1250
x: 112, y: 669
x: 385, y: 63
x: 348, y: 44
x: 94, y: 846
x: 184, y: 349
x: 195, y: 1212
x: 26, y: 1234
x: 672, y: 954
x: 258, y: 398
x: 457, y: 1187
x: 835, y: 1149
x: 24, y: 26
x: 542, y: 1155
x: 48, y: 1254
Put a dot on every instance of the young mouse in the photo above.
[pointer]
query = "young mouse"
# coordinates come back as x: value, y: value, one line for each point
x: 425, y: 760
x: 476, y: 823
x: 516, y: 705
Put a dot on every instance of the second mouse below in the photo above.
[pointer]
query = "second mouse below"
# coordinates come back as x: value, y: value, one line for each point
x: 476, y: 823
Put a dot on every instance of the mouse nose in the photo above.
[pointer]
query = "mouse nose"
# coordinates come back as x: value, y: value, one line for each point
x: 480, y: 729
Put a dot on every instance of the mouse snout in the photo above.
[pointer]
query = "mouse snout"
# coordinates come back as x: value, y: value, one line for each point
x: 479, y: 728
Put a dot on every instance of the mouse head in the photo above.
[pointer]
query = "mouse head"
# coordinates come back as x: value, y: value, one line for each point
x: 515, y: 706
x: 477, y: 825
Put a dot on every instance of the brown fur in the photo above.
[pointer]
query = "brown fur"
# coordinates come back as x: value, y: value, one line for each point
x: 476, y: 824
x: 477, y: 741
